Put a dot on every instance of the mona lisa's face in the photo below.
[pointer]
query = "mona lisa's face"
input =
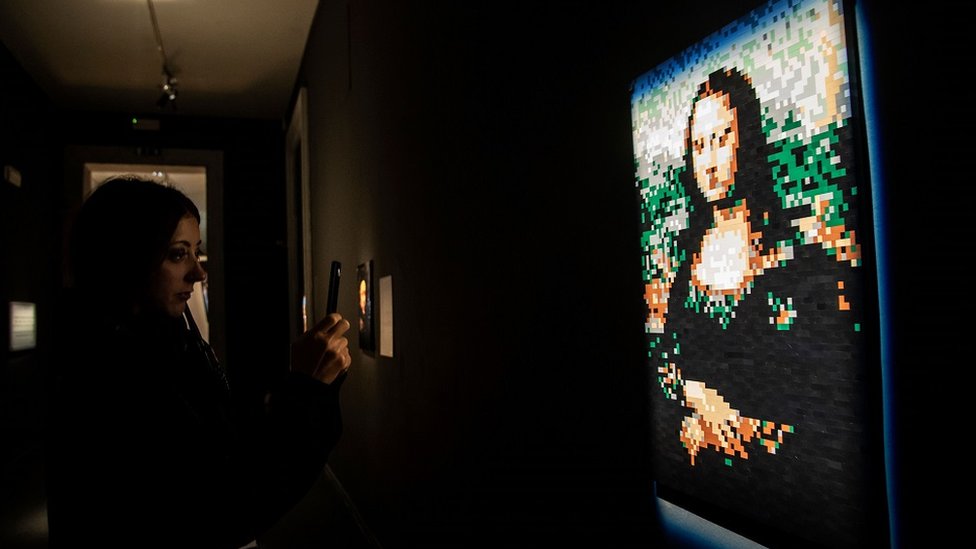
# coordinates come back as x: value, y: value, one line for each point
x: 714, y: 141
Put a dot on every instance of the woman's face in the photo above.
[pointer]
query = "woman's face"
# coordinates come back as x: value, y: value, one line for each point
x: 172, y: 282
x: 714, y: 141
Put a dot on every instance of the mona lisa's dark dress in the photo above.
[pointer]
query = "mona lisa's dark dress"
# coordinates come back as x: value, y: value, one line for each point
x: 812, y: 374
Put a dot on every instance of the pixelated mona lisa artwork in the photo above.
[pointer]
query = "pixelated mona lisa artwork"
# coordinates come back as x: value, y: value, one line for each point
x: 758, y: 279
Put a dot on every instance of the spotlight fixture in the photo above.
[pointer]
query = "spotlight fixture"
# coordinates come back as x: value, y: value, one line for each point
x: 168, y: 95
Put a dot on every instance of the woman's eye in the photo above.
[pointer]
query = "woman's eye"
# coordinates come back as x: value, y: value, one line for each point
x: 177, y: 255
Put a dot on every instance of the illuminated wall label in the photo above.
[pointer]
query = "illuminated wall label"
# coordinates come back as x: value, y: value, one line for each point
x: 386, y: 316
x: 759, y: 315
x: 23, y: 326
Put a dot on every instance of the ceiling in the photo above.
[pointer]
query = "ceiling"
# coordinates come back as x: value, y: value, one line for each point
x: 231, y: 58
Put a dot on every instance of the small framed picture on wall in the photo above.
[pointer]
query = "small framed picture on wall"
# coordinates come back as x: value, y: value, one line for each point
x: 364, y: 284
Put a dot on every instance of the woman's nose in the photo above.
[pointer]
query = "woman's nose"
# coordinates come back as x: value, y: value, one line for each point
x: 197, y: 273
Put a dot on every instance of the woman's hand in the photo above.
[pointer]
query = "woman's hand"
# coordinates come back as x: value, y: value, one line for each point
x: 323, y: 352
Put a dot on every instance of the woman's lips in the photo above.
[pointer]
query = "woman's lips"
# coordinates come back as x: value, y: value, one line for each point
x: 185, y: 296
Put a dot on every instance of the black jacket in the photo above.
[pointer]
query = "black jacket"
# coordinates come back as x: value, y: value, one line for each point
x: 146, y: 449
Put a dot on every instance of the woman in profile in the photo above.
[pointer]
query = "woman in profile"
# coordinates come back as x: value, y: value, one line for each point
x: 146, y: 448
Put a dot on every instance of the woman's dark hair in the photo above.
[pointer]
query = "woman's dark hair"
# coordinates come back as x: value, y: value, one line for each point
x: 753, y: 177
x: 120, y: 236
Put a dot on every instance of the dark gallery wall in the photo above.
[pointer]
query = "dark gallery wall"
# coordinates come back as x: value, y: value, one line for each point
x: 458, y: 149
x: 28, y: 239
x: 481, y: 156
x: 922, y: 125
x: 26, y: 217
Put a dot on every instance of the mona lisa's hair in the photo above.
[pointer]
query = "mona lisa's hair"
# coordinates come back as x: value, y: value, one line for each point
x: 753, y: 177
x: 121, y: 235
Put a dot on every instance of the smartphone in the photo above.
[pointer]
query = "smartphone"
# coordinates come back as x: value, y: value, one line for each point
x: 332, y: 304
